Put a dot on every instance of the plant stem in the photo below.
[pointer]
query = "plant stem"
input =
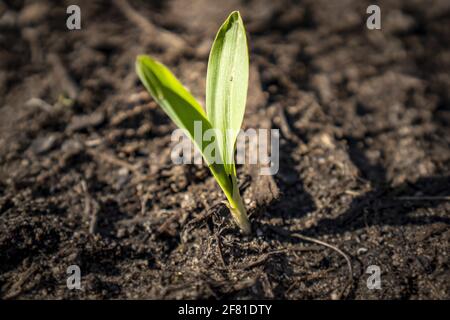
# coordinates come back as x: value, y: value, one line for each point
x: 237, y: 209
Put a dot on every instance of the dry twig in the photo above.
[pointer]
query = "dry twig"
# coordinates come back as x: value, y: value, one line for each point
x: 91, y: 208
x: 62, y: 76
x: 342, y: 253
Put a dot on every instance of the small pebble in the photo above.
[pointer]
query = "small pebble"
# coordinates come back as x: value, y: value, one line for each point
x: 43, y: 144
x: 86, y: 121
x: 361, y: 251
x: 334, y: 296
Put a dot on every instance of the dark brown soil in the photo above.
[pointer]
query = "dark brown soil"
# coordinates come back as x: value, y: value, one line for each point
x: 86, y: 176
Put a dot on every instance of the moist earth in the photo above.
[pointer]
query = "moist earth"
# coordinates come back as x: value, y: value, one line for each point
x: 86, y: 176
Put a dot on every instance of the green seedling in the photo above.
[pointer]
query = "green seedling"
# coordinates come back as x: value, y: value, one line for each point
x: 226, y: 94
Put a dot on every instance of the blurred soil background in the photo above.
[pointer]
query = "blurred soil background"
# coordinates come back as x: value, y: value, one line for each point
x: 86, y: 176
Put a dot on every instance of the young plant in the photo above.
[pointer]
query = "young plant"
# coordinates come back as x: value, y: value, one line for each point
x: 226, y: 94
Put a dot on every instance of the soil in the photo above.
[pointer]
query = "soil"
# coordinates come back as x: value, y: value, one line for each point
x: 86, y: 177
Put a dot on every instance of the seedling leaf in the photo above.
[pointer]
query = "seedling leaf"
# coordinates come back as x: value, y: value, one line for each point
x: 180, y: 106
x: 226, y: 84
